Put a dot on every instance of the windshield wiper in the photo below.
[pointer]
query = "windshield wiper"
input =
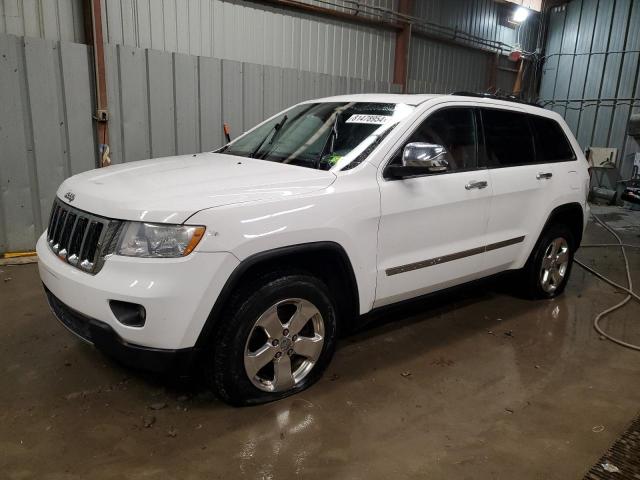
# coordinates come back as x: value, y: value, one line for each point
x: 277, y: 127
x: 331, y: 139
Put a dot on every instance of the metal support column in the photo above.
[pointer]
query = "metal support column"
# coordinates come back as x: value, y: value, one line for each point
x: 403, y: 42
x: 93, y: 29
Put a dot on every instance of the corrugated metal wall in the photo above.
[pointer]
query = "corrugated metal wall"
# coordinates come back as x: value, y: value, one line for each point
x: 586, y: 76
x: 51, y: 19
x: 161, y: 104
x: 436, y: 67
x: 250, y: 32
x: 170, y: 103
x: 227, y: 29
x: 479, y: 18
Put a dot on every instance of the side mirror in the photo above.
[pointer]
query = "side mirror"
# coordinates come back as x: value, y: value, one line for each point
x: 420, y: 159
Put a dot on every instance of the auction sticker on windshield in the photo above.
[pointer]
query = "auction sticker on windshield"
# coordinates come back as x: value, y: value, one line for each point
x: 371, y: 119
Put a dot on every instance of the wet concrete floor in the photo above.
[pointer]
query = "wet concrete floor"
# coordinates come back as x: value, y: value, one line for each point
x: 476, y: 384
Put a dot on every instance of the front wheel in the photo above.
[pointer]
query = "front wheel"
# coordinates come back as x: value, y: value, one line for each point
x: 277, y: 338
x: 547, y: 271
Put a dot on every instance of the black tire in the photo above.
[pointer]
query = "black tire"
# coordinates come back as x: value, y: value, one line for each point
x: 224, y: 367
x: 531, y: 273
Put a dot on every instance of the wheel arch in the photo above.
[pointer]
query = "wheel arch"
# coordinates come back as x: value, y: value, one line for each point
x: 571, y: 215
x: 325, y: 259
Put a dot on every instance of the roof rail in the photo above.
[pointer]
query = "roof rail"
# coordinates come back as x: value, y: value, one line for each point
x: 506, y: 98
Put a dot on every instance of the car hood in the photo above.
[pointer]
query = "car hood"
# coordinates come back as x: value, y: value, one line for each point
x: 171, y: 189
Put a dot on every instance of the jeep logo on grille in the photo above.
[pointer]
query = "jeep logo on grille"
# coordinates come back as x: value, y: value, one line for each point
x: 69, y: 196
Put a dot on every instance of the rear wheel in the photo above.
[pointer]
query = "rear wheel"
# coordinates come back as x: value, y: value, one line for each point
x: 547, y: 271
x: 277, y: 338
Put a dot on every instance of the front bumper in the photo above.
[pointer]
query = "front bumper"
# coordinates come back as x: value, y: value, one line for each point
x: 177, y: 294
x: 105, y: 339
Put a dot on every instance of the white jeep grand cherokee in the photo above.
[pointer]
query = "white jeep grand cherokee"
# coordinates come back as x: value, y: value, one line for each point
x: 248, y: 261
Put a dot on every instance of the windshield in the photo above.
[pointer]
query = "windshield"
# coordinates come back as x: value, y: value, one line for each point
x: 320, y: 135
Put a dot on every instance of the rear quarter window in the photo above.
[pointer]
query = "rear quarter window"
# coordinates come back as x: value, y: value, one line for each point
x: 552, y: 145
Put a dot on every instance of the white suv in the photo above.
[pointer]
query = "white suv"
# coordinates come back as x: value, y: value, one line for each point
x: 250, y: 260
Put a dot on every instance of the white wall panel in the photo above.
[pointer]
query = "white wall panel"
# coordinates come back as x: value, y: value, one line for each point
x: 50, y: 19
x: 161, y: 104
x: 435, y: 67
x: 46, y: 130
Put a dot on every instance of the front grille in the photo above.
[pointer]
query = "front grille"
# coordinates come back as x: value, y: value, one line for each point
x: 79, y: 238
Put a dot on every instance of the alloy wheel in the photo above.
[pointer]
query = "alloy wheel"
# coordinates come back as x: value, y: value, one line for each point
x: 284, y: 345
x: 555, y: 263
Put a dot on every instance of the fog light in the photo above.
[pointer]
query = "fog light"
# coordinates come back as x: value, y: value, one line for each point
x: 129, y: 314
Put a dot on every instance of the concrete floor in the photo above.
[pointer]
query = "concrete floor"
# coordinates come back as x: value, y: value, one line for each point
x: 478, y: 384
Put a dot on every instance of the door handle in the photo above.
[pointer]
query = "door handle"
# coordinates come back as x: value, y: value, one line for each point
x: 544, y: 175
x: 476, y: 184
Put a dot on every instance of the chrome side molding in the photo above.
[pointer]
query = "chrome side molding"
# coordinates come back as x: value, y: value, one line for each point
x: 452, y: 256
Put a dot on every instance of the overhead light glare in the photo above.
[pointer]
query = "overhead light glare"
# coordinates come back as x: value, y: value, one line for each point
x: 520, y: 15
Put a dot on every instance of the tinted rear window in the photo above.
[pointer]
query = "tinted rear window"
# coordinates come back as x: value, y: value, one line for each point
x: 508, y: 138
x: 552, y: 144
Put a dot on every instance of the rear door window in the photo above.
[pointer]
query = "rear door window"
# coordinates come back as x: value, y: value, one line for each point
x: 552, y: 144
x: 508, y: 138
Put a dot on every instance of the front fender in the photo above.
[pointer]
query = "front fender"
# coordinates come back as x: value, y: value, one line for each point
x: 346, y: 213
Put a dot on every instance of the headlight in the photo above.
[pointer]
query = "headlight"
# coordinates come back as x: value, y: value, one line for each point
x: 152, y: 240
